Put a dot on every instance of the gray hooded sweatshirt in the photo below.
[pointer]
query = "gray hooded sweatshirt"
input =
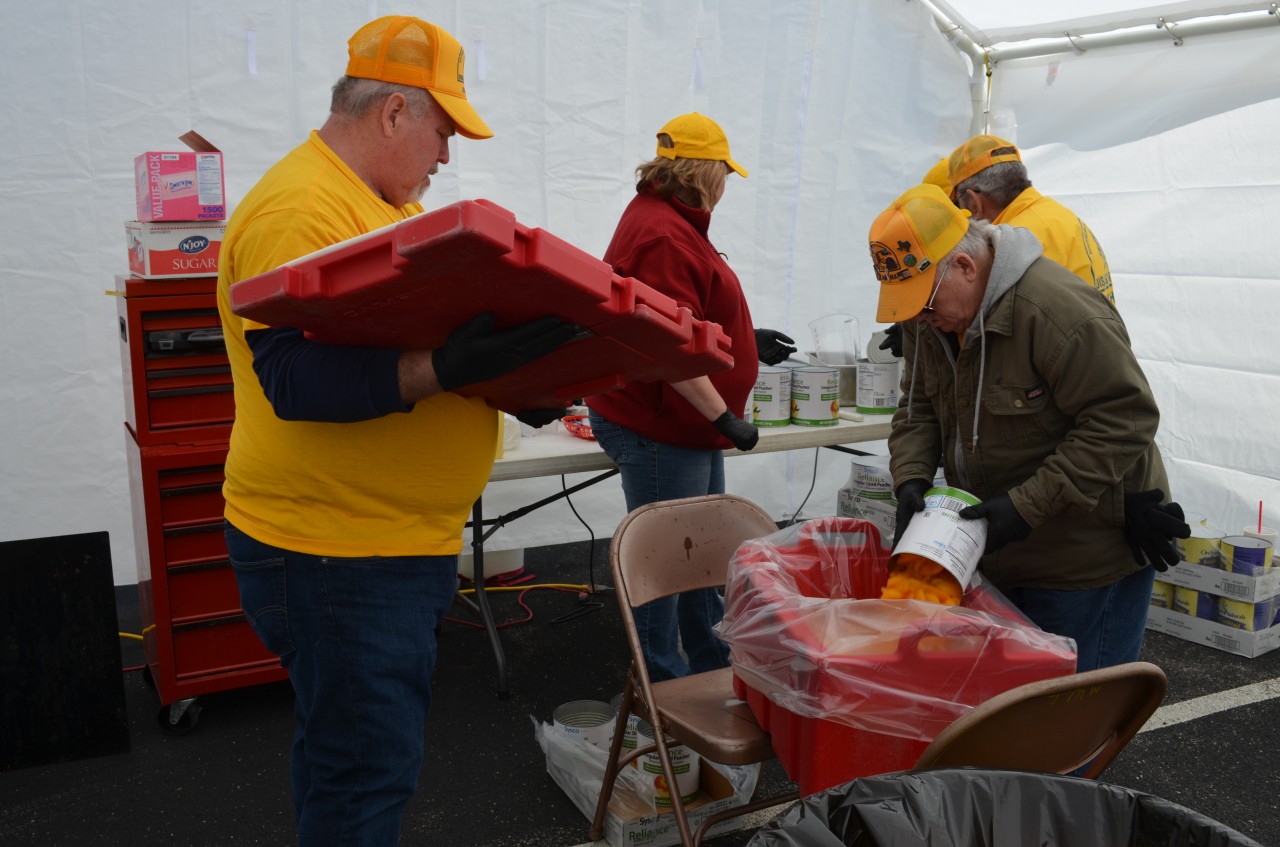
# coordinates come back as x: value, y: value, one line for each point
x: 1045, y: 402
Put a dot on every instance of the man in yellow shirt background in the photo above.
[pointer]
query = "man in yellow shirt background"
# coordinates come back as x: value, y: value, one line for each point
x: 989, y: 180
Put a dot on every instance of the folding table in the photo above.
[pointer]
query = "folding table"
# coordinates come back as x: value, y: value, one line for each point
x: 557, y: 453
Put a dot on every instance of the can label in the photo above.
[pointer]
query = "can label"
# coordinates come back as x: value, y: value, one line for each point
x: 1204, y: 547
x: 1162, y: 594
x: 684, y: 762
x: 1244, y: 554
x: 1198, y: 604
x: 877, y: 388
x: 771, y: 399
x: 1241, y: 614
x: 940, y: 535
x: 815, y: 396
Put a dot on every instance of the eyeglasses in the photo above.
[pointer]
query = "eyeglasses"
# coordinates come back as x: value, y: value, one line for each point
x: 940, y: 275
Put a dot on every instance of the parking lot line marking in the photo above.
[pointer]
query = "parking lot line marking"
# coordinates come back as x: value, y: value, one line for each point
x: 1199, y: 707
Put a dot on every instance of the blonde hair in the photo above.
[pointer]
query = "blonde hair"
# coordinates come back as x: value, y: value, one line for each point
x: 703, y: 177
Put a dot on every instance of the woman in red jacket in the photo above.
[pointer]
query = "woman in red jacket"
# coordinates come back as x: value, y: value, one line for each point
x: 668, y: 438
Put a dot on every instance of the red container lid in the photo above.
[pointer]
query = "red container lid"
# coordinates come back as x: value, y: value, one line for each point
x: 408, y: 285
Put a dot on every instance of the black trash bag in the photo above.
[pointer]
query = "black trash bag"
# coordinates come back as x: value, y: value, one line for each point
x: 973, y: 807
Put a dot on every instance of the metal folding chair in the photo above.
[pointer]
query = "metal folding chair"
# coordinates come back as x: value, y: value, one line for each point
x: 659, y: 550
x: 1055, y: 725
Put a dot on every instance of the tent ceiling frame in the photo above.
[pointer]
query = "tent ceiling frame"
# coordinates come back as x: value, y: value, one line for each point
x: 986, y: 58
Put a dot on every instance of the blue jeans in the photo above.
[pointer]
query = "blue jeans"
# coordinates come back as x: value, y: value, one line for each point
x: 357, y: 637
x: 653, y: 472
x: 1107, y: 623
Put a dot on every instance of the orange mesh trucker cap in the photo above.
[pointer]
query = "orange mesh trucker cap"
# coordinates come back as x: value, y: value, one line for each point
x: 409, y: 51
x: 977, y: 154
x: 907, y: 240
x: 697, y: 137
x: 938, y: 175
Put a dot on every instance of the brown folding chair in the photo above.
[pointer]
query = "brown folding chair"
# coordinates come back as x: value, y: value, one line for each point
x: 1054, y: 725
x: 659, y: 550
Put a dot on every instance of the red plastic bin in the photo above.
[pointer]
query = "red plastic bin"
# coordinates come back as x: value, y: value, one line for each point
x: 408, y: 285
x: 945, y: 654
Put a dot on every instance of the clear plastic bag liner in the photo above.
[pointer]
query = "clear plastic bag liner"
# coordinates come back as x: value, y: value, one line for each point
x: 967, y: 807
x: 806, y: 627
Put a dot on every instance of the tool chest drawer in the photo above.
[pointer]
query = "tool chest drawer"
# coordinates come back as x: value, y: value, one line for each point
x: 174, y: 361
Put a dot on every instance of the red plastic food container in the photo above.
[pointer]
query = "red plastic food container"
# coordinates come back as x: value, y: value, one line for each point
x: 408, y: 285
x: 903, y: 668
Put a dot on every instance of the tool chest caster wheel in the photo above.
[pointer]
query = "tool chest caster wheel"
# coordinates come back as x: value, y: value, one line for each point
x: 179, y: 718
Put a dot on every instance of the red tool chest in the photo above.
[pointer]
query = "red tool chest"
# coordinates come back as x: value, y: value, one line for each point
x: 410, y: 284
x: 179, y: 408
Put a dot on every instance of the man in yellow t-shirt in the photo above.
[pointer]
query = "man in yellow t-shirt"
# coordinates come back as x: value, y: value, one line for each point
x: 351, y: 470
x: 990, y: 181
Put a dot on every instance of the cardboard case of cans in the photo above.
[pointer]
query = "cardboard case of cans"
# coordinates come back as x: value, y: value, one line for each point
x: 1225, y: 594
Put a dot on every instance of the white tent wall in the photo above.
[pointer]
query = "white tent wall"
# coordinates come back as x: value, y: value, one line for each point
x: 1169, y: 154
x: 833, y: 108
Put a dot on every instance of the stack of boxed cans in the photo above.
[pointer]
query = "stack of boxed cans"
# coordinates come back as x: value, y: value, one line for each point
x: 182, y: 212
x: 1225, y: 593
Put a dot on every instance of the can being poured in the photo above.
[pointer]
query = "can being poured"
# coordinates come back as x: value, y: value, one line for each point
x: 940, y: 535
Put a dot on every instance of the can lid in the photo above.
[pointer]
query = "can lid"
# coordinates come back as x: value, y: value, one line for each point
x: 875, y: 354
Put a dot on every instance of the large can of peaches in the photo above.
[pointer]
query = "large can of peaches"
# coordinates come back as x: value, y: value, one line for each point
x: 940, y: 535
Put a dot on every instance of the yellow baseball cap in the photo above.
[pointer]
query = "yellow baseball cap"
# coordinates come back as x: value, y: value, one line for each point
x: 939, y: 175
x: 976, y: 155
x: 697, y: 137
x: 907, y: 240
x: 409, y: 51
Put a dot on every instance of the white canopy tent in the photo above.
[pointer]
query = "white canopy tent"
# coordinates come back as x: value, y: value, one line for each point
x: 834, y: 108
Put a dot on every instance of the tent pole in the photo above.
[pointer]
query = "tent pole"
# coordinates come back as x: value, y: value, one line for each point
x: 1173, y: 34
x: 953, y: 29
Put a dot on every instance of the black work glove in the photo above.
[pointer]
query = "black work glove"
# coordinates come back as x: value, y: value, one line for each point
x: 910, y: 501
x: 892, y: 340
x: 1004, y: 524
x: 1150, y: 528
x: 743, y: 435
x: 538, y: 418
x: 770, y: 346
x: 474, y: 352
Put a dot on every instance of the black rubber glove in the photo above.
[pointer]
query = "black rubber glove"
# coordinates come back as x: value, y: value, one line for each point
x: 910, y: 501
x: 538, y: 418
x: 743, y: 435
x: 1150, y: 528
x: 1004, y: 524
x: 892, y: 340
x: 772, y: 346
x: 474, y: 352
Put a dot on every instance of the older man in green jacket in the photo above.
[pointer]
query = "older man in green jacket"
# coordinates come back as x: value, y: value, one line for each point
x: 1026, y: 391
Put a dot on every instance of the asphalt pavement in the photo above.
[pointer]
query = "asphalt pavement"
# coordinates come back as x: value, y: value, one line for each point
x: 485, y: 783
